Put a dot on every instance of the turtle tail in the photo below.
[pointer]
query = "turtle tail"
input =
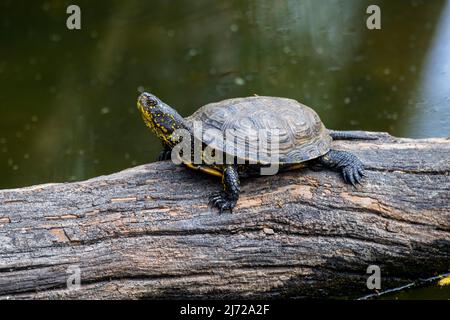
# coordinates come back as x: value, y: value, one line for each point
x: 351, y: 135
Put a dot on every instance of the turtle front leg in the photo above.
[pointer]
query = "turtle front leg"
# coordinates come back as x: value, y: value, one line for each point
x: 227, y: 199
x: 165, y: 154
x: 351, y: 167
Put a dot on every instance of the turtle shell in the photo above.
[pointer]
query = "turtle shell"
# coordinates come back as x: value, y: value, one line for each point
x: 262, y: 129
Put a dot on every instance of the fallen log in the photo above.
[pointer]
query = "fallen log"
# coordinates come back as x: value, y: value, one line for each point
x: 147, y: 232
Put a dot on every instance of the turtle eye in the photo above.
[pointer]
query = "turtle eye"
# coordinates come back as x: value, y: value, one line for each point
x: 151, y: 102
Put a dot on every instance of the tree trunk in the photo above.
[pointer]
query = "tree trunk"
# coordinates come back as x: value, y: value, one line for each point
x: 147, y: 232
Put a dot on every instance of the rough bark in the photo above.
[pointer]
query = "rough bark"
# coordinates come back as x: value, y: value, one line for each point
x: 147, y: 232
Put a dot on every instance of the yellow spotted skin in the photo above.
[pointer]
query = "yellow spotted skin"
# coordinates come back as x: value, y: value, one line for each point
x: 161, y: 123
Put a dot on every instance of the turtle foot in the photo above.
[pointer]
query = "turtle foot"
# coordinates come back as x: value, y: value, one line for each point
x: 353, y: 173
x: 222, y: 201
x: 350, y: 166
x: 165, y: 155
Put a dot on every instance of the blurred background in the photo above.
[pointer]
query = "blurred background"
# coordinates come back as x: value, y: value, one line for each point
x: 67, y: 98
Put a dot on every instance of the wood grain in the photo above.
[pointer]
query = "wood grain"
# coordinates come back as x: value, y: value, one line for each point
x: 147, y: 232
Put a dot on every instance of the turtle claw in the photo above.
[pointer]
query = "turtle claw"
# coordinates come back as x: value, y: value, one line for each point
x: 165, y: 155
x: 362, y: 172
x: 222, y: 201
x: 353, y: 174
x: 214, y: 198
x: 218, y: 203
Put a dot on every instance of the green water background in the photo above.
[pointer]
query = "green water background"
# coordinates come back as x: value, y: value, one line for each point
x: 67, y: 98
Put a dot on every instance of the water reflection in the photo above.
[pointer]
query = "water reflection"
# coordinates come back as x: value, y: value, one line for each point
x: 433, y: 105
x: 67, y: 103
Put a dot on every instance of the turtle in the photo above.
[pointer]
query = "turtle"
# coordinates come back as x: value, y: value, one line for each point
x: 303, y: 140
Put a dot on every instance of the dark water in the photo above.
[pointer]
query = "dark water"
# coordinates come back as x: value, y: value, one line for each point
x: 426, y: 293
x: 67, y: 98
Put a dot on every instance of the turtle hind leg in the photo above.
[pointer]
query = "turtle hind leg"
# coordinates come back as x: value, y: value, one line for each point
x: 351, y: 135
x: 350, y: 166
x: 227, y: 199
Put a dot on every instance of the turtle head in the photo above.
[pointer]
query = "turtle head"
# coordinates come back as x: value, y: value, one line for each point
x: 161, y: 119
